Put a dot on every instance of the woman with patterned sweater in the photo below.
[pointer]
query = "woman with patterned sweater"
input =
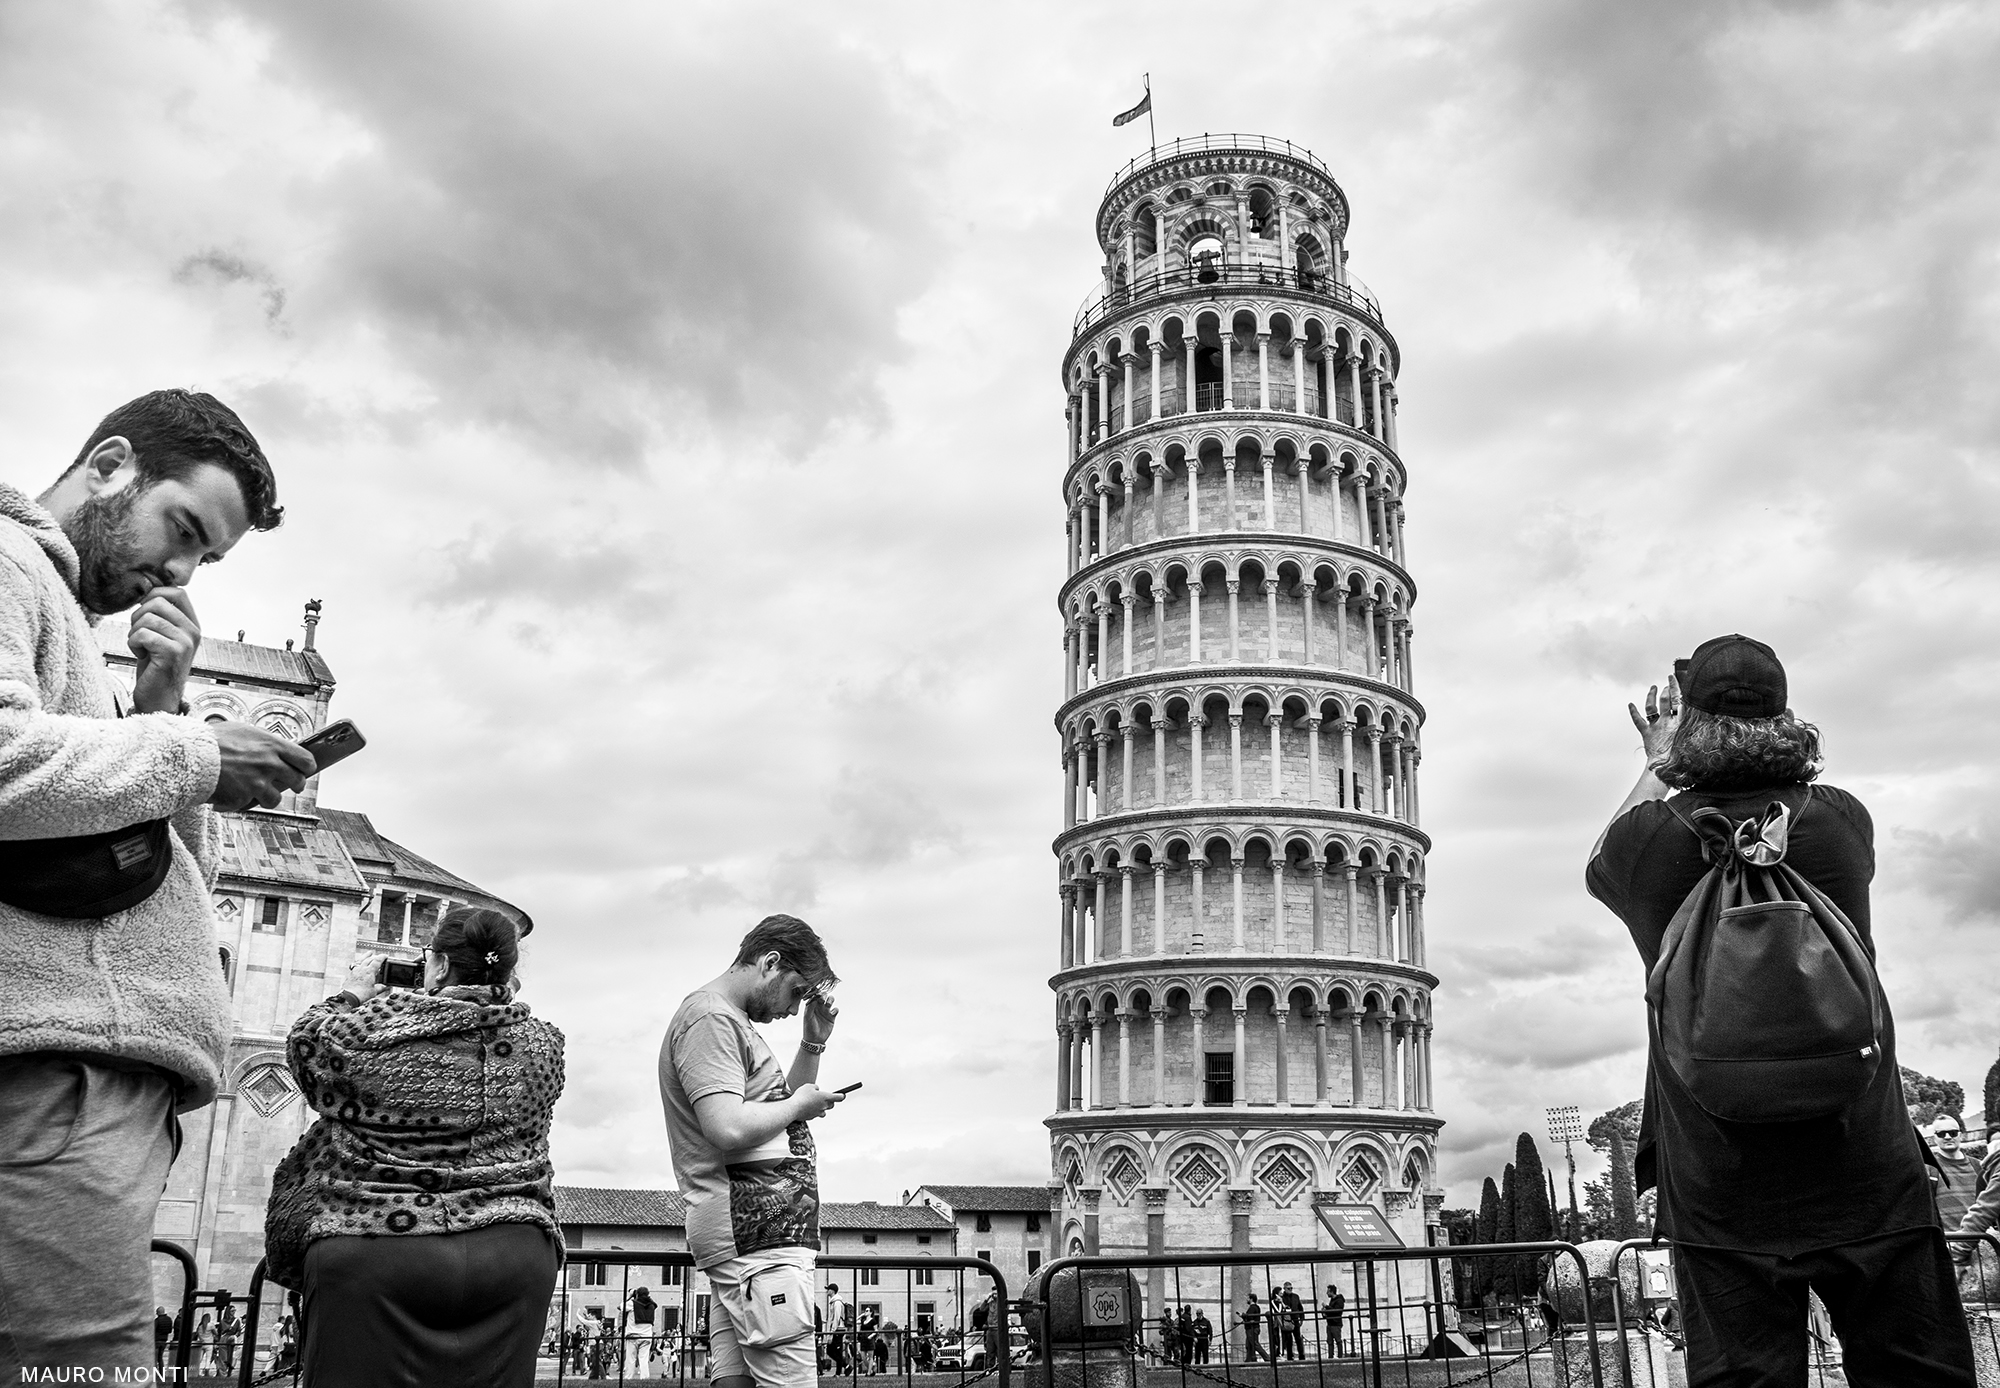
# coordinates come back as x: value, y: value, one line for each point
x: 417, y: 1216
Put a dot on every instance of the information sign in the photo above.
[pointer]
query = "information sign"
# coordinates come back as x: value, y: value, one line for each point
x: 1357, y: 1228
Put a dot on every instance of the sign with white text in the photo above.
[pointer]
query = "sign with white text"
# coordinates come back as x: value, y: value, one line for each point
x: 1357, y: 1228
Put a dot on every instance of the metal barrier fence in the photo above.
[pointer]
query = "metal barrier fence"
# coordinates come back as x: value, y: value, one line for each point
x: 1464, y: 1314
x: 1473, y: 1313
x: 183, y: 1338
x: 613, y: 1351
x: 1648, y: 1339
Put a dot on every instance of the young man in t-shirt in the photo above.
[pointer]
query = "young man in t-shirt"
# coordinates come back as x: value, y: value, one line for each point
x: 743, y: 1155
x: 1759, y: 1212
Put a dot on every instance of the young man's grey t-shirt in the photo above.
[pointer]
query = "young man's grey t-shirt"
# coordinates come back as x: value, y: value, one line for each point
x: 744, y: 1201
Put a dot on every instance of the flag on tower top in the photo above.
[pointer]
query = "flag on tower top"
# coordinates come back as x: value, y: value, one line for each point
x: 1145, y: 105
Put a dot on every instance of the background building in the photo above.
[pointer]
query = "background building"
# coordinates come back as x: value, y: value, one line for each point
x: 1005, y: 1225
x: 915, y: 1298
x: 1242, y: 1003
x: 304, y: 889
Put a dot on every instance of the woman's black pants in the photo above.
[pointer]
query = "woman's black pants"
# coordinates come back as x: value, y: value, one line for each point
x: 428, y: 1310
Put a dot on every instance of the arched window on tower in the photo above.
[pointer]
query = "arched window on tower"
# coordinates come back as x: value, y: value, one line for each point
x: 1205, y: 258
x: 1263, y: 214
x: 1143, y: 231
x: 1308, y: 259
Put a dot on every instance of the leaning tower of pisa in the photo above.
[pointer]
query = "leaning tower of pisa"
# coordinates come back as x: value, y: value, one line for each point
x: 1242, y: 999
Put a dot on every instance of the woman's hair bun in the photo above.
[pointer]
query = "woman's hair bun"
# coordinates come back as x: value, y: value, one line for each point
x: 482, y: 944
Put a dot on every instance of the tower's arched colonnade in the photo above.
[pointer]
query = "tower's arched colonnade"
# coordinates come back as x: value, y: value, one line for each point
x: 1243, y: 998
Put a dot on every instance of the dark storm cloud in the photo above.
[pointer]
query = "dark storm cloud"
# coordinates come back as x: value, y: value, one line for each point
x: 579, y: 229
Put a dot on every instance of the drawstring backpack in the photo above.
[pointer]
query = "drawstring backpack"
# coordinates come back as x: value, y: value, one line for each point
x: 1764, y: 1003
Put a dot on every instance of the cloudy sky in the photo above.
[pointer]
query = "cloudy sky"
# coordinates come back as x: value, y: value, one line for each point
x: 666, y: 401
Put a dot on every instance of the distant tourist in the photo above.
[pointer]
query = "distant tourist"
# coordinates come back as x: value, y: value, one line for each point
x: 743, y: 1154
x: 109, y: 983
x: 417, y: 1215
x: 204, y: 1348
x: 1203, y: 1334
x: 1956, y: 1178
x: 228, y: 1329
x: 1253, y: 1321
x: 639, y: 1334
x: 1295, y: 1319
x: 1335, y: 1312
x: 163, y: 1332
x: 1759, y: 1211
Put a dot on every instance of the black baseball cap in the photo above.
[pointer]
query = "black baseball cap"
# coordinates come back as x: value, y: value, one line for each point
x: 1733, y: 676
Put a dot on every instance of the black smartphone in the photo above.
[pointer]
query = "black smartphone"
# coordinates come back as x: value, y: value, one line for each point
x: 337, y: 741
x: 401, y: 973
x: 848, y: 1088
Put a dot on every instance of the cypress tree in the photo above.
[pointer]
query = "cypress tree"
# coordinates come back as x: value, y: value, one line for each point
x: 1624, y: 1190
x: 1485, y: 1230
x: 1505, y: 1283
x: 1534, y: 1221
x: 1993, y: 1094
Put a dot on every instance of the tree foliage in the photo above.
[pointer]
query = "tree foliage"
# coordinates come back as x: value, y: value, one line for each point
x: 1625, y: 1118
x: 1928, y: 1097
x: 1624, y: 1194
x: 1505, y: 1282
x: 1534, y: 1221
x: 1486, y: 1229
x: 1993, y: 1095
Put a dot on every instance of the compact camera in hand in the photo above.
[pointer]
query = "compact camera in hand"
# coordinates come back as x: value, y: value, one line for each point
x: 401, y: 973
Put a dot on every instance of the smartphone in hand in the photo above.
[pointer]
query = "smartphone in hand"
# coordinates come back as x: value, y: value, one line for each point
x: 336, y: 742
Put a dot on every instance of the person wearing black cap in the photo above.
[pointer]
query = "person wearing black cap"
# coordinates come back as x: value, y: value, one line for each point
x: 1760, y: 1212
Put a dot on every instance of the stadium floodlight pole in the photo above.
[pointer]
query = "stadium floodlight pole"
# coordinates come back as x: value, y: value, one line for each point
x: 1566, y: 1127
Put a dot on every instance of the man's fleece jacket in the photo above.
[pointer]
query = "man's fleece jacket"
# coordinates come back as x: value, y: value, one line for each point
x: 144, y: 985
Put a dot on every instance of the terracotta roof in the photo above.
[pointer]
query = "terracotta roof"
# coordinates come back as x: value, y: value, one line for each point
x: 234, y: 660
x: 659, y: 1209
x: 870, y: 1216
x: 288, y: 851
x: 992, y: 1199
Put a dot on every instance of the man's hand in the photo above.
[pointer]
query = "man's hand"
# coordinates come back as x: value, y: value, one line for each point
x: 815, y: 1102
x: 257, y: 767
x: 364, y: 977
x: 820, y: 1017
x: 1661, y: 718
x: 164, y: 638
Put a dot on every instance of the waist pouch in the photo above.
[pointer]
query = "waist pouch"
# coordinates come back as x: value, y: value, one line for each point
x: 88, y: 875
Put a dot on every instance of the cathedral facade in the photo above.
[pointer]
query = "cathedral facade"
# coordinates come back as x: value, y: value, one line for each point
x: 303, y: 891
x: 1243, y: 1004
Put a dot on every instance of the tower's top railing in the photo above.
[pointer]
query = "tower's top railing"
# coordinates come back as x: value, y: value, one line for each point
x: 1201, y: 144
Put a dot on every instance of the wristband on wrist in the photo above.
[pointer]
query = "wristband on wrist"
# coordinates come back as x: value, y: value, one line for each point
x: 813, y: 1047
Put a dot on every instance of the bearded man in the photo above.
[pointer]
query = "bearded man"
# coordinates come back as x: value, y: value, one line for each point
x: 744, y: 1156
x: 113, y: 1013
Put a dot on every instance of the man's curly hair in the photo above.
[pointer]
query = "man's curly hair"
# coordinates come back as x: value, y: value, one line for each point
x: 173, y: 432
x: 1712, y: 751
